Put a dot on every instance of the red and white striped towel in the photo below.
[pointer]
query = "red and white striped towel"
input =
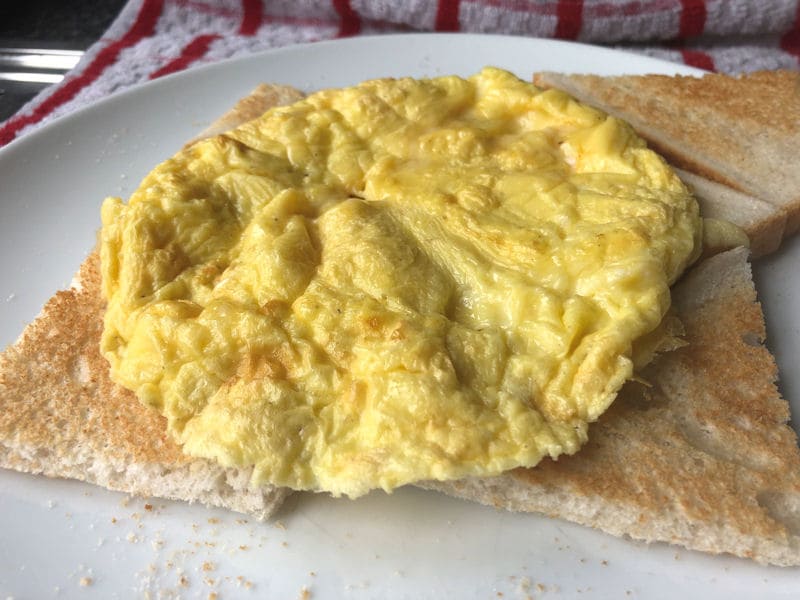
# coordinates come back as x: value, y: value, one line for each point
x: 151, y: 38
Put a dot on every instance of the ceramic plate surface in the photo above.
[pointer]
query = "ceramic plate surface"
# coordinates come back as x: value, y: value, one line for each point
x: 56, y: 535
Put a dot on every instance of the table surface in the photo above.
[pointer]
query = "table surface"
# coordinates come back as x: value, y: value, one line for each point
x: 49, y: 24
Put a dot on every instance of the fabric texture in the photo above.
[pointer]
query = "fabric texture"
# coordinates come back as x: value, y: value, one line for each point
x: 152, y: 38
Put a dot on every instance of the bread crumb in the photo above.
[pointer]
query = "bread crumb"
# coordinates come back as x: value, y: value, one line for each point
x: 212, y: 596
x: 305, y: 593
x: 86, y: 581
x: 183, y: 581
x: 541, y: 588
x: 280, y: 525
x: 148, y: 507
x: 604, y: 563
x: 244, y: 547
x: 208, y: 566
x: 132, y: 537
x: 113, y: 519
x: 524, y: 584
x: 213, y: 520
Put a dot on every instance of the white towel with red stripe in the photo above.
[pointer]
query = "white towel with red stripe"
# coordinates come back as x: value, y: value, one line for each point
x: 151, y: 38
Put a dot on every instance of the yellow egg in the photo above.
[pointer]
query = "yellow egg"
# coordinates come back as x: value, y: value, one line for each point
x: 403, y: 280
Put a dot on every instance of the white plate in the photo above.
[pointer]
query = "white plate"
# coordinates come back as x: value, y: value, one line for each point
x: 410, y: 544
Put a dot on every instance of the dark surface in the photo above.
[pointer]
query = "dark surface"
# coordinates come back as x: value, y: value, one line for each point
x: 52, y: 24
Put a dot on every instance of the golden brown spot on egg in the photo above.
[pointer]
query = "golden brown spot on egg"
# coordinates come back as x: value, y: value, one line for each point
x: 275, y: 308
x: 259, y: 366
x: 374, y: 322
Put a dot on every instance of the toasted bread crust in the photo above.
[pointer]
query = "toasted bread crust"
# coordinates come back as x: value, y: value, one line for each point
x: 66, y: 338
x: 763, y: 223
x: 261, y: 99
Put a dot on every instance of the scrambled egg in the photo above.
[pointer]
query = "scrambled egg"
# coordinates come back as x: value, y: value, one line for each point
x: 403, y: 280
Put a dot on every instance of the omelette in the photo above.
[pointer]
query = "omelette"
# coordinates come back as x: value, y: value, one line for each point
x: 398, y: 281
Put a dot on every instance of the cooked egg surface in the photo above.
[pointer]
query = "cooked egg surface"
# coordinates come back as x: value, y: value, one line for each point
x: 403, y: 280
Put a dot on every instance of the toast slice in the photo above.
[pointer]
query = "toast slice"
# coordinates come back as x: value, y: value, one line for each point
x: 247, y: 108
x: 763, y: 223
x: 699, y: 455
x: 742, y: 132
